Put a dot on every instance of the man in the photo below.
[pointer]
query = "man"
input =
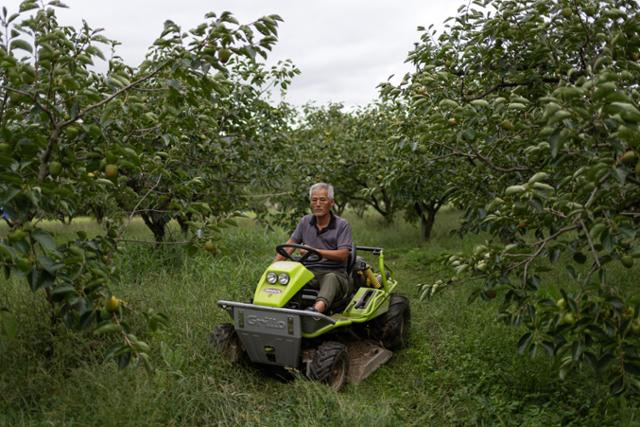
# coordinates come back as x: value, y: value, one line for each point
x: 330, y: 235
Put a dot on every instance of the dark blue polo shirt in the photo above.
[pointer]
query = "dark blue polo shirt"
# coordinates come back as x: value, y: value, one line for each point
x: 336, y: 235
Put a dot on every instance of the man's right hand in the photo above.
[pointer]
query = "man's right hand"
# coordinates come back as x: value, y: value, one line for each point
x: 289, y: 250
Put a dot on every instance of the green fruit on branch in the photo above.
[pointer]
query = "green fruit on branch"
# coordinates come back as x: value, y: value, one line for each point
x: 55, y: 168
x: 627, y: 261
x: 210, y: 247
x: 113, y: 303
x: 507, y: 124
x: 111, y: 170
x: 17, y: 235
x: 224, y: 55
x: 568, y: 319
x: 628, y: 157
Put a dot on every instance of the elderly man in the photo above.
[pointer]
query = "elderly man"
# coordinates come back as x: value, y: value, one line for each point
x: 330, y: 235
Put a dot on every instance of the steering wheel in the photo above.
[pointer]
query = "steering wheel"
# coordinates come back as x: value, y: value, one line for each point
x: 312, y: 254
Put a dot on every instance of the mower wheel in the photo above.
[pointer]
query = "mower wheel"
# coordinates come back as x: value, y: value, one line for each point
x: 224, y: 339
x: 392, y: 328
x: 330, y: 365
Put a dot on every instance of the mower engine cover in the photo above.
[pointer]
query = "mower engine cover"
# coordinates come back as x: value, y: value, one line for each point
x: 280, y: 282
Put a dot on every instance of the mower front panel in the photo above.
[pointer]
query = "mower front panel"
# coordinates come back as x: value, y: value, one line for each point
x: 270, y: 335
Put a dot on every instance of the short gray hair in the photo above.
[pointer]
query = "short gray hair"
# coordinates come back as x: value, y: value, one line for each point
x: 321, y: 186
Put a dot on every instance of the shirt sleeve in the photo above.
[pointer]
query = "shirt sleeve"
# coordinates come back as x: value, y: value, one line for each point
x: 344, y: 237
x: 296, y: 236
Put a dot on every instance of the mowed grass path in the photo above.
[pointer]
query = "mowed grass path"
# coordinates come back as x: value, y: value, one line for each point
x: 461, y: 367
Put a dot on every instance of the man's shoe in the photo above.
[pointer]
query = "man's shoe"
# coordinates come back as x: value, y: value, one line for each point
x: 311, y: 308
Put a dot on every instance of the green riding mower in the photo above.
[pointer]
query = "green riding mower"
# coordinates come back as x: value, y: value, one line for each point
x: 346, y: 344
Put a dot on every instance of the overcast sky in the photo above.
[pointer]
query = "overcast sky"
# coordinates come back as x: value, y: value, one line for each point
x: 343, y: 48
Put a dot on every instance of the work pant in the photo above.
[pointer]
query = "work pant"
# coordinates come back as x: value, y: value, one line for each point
x: 332, y: 285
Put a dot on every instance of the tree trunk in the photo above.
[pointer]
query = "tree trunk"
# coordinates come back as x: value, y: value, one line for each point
x: 156, y: 223
x: 427, y: 214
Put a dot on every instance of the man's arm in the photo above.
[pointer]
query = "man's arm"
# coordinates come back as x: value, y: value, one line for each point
x: 289, y: 250
x: 339, y: 255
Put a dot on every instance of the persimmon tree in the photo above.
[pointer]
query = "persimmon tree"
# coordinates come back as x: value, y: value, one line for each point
x: 536, y: 105
x: 158, y: 140
x: 351, y: 150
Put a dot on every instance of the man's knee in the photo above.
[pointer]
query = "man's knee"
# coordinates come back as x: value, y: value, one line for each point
x: 330, y: 279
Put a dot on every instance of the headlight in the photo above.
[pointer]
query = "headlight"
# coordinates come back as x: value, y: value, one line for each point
x: 272, y: 277
x: 283, y: 278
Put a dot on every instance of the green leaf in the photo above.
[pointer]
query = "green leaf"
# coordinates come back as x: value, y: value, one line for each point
x: 628, y: 111
x: 49, y: 265
x: 115, y: 350
x: 548, y: 347
x: 28, y: 5
x: 523, y: 342
x: 58, y: 3
x: 21, y: 44
x: 516, y: 106
x: 106, y: 329
x: 63, y: 290
x: 146, y: 363
x: 579, y: 257
x: 39, y: 279
x: 7, y: 251
x: 448, y: 103
x: 45, y: 240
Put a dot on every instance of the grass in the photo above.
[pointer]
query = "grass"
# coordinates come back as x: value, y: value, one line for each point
x: 461, y: 367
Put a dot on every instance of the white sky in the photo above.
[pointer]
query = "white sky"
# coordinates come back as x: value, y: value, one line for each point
x: 344, y: 49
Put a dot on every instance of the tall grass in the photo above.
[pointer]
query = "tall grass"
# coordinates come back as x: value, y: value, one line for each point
x: 461, y: 367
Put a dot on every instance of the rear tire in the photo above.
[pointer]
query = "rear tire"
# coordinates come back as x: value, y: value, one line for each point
x: 330, y: 365
x: 225, y: 340
x: 392, y: 328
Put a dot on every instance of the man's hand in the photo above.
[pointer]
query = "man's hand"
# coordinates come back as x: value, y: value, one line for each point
x: 289, y: 250
x: 340, y: 255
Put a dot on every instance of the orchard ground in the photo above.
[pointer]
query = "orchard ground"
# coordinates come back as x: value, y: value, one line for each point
x: 461, y: 368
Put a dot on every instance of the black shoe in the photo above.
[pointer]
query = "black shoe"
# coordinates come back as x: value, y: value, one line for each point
x: 311, y: 308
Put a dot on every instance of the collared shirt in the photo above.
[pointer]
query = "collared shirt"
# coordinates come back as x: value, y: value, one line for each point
x: 336, y: 235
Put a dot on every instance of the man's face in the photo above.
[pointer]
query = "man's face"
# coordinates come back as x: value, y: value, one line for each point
x: 320, y: 202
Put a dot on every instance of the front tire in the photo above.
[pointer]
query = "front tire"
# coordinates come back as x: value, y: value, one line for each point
x: 392, y: 328
x: 225, y: 340
x: 330, y: 365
